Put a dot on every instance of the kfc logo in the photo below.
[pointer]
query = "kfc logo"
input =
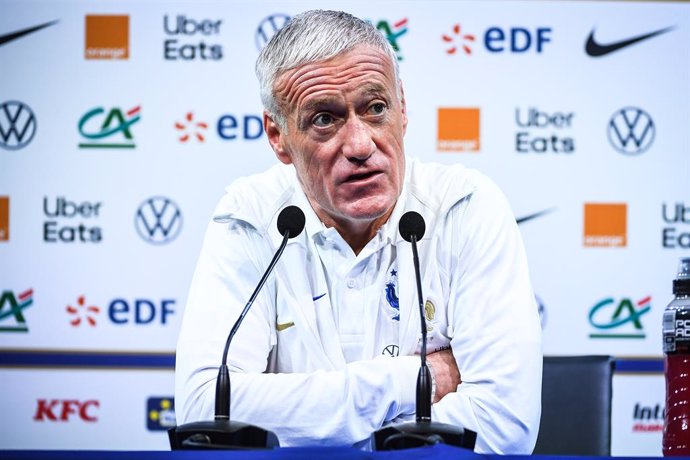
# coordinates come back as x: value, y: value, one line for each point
x: 64, y: 410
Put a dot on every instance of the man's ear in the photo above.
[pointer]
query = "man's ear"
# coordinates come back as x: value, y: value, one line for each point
x: 276, y: 138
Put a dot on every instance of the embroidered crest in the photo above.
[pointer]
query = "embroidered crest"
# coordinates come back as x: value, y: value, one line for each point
x: 429, y: 310
x: 392, y: 295
x: 429, y: 313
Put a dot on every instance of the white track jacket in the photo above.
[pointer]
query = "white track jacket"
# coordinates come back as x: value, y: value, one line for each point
x: 288, y: 371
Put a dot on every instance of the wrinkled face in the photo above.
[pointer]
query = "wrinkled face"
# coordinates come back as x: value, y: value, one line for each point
x: 345, y: 127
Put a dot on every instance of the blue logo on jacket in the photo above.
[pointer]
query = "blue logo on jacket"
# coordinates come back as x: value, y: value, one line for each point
x: 392, y: 296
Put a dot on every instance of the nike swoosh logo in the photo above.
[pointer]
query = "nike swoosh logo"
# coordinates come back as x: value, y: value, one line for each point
x: 318, y: 297
x: 20, y: 33
x: 595, y: 49
x: 282, y: 327
x: 522, y: 220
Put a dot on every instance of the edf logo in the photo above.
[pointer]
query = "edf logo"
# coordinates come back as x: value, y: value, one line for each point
x: 140, y: 311
x: 247, y: 127
x: 497, y: 39
x: 63, y: 410
x: 121, y: 312
x: 516, y: 39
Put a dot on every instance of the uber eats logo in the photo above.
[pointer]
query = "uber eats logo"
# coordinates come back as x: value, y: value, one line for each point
x: 619, y: 318
x: 675, y: 233
x: 189, y: 39
x: 540, y: 131
x: 71, y: 221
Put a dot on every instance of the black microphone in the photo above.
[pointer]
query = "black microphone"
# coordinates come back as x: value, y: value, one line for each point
x: 221, y: 433
x: 423, y: 431
x: 411, y: 228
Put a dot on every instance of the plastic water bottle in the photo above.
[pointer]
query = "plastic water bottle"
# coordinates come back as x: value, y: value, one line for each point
x: 676, y: 331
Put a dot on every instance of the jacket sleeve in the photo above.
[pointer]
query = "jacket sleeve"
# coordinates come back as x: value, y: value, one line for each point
x: 323, y: 406
x: 494, y: 327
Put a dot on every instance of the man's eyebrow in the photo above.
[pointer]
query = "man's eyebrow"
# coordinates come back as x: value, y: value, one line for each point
x: 317, y: 104
x: 374, y: 89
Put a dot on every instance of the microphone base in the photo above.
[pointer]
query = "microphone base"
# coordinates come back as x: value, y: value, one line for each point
x: 220, y: 434
x: 417, y: 434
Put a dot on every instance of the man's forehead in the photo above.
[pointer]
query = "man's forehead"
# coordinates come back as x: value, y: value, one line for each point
x: 369, y: 89
x: 362, y: 50
x: 354, y: 63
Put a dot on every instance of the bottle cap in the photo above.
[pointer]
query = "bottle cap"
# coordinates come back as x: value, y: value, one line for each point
x: 681, y: 285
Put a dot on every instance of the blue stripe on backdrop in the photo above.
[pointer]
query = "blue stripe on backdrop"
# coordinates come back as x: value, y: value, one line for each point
x: 640, y: 365
x: 42, y: 358
x: 71, y: 359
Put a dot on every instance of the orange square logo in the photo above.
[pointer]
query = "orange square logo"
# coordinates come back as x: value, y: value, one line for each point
x: 458, y: 130
x: 4, y: 218
x: 107, y: 37
x: 606, y: 225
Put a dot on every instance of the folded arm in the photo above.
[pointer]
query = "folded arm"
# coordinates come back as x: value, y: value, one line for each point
x: 494, y: 328
x: 332, y: 406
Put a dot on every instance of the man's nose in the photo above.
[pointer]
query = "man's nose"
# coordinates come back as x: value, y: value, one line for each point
x: 358, y: 143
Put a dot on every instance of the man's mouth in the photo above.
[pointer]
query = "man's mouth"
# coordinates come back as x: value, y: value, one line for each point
x: 362, y: 176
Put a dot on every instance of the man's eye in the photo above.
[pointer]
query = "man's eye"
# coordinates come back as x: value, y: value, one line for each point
x: 322, y: 120
x: 377, y: 108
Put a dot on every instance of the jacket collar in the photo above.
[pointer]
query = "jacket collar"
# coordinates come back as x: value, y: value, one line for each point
x: 280, y: 188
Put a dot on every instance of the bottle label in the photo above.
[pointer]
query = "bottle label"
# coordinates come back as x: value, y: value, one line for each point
x: 676, y: 331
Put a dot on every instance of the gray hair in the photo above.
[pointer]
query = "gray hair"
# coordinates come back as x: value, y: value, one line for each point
x: 314, y: 36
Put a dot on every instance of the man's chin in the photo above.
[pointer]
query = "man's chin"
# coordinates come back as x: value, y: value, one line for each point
x: 367, y: 213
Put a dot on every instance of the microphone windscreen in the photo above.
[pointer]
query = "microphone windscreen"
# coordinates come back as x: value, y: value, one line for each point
x: 411, y: 223
x: 291, y: 219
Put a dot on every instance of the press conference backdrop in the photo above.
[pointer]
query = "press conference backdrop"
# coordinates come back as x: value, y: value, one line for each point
x: 122, y: 121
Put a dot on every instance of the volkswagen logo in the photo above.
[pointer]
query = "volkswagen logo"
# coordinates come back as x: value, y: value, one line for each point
x: 391, y: 350
x: 268, y: 28
x: 631, y: 131
x: 158, y: 220
x: 17, y: 125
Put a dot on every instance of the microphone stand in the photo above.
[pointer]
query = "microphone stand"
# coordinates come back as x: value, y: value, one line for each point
x: 423, y: 399
x: 221, y: 432
x: 423, y: 431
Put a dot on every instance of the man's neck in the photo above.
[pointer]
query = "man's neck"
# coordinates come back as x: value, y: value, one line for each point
x: 358, y: 233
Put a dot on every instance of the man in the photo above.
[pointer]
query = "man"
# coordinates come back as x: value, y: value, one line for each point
x: 326, y: 355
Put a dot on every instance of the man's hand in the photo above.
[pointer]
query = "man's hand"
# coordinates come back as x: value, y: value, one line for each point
x: 446, y: 373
